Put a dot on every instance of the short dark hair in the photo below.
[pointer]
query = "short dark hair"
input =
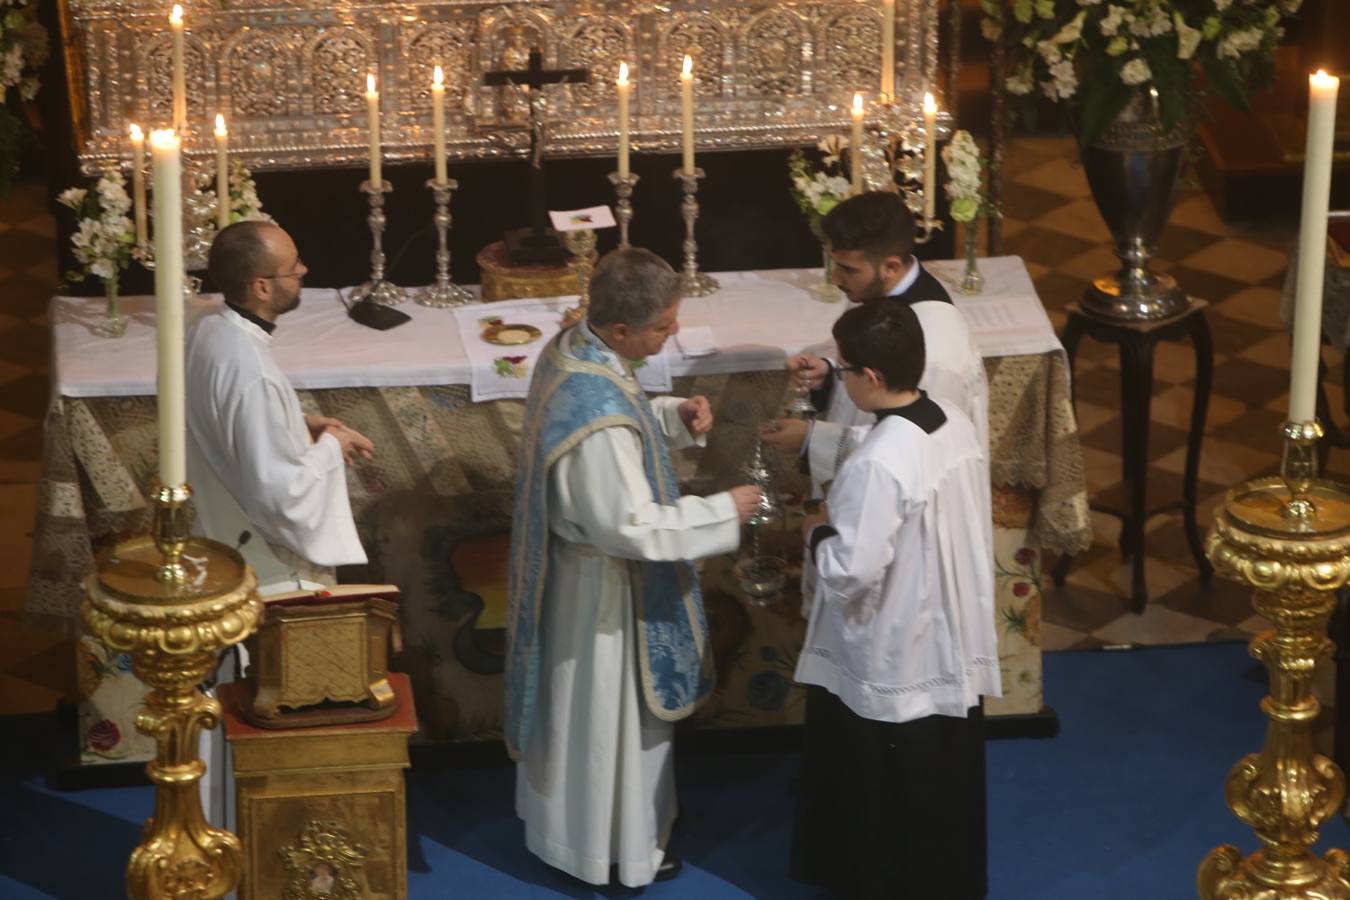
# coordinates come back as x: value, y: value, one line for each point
x: 238, y: 255
x: 885, y: 337
x: 633, y: 286
x: 876, y: 222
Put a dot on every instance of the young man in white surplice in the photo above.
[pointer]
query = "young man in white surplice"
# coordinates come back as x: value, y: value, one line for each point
x: 607, y: 639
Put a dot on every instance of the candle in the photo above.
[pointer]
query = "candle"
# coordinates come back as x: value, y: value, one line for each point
x: 179, y: 79
x: 373, y: 116
x: 438, y: 121
x: 929, y: 155
x: 622, y: 86
x: 687, y: 109
x: 855, y: 147
x: 1312, y: 245
x: 888, y: 50
x: 167, y: 174
x: 222, y: 173
x: 138, y: 181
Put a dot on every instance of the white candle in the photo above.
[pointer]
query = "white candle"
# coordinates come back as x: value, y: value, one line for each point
x: 929, y: 155
x: 687, y: 110
x: 888, y: 50
x: 138, y: 182
x: 1312, y: 245
x: 622, y: 87
x: 438, y: 122
x: 855, y: 146
x: 167, y: 174
x: 373, y: 117
x: 179, y: 78
x: 222, y: 173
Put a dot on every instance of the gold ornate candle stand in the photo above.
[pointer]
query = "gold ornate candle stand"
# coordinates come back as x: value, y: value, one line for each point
x: 173, y: 602
x: 1289, y: 538
x: 581, y: 246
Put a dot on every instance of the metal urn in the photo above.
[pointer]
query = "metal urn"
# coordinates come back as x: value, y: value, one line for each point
x: 760, y: 576
x: 1132, y: 170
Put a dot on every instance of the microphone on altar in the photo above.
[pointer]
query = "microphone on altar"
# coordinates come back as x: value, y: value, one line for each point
x: 371, y: 314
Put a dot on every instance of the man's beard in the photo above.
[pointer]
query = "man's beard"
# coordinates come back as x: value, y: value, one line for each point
x: 293, y: 302
x: 873, y: 291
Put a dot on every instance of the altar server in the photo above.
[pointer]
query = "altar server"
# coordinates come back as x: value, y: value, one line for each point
x: 871, y: 244
x: 266, y: 478
x: 607, y: 638
x: 900, y: 644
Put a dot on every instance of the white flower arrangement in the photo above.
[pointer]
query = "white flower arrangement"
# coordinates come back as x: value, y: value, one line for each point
x: 817, y: 191
x: 103, y: 234
x: 964, y: 182
x: 244, y: 202
x: 23, y: 49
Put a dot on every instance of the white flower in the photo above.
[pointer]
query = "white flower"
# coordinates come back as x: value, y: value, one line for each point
x: 1114, y: 18
x: 1072, y: 31
x: 1155, y: 22
x: 11, y: 66
x: 1021, y: 82
x: 1239, y: 42
x: 1188, y: 38
x: 1221, y: 5
x: 72, y: 197
x: 1064, y: 83
x: 991, y: 30
x: 1136, y: 71
x: 1049, y: 52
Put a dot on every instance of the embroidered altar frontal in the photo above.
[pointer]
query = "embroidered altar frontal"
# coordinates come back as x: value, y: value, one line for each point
x: 290, y: 77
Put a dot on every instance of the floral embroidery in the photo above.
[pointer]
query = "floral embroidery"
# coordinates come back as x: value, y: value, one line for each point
x: 511, y: 366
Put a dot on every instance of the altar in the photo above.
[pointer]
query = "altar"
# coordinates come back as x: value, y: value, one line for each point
x: 433, y: 506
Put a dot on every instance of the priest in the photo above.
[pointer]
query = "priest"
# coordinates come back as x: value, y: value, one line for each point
x: 266, y: 478
x: 871, y: 244
x: 607, y: 638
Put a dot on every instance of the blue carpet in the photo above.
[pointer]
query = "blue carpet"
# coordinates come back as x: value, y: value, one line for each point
x: 1123, y: 804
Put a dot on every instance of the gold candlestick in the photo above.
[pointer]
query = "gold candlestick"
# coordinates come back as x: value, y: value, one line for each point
x: 693, y: 283
x: 173, y: 602
x: 1289, y: 538
x: 581, y: 244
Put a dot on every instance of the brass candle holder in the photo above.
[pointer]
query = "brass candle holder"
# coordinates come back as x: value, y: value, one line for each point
x: 581, y: 245
x: 377, y: 289
x: 173, y: 602
x: 1289, y: 538
x: 444, y: 293
x: 623, y: 208
x: 693, y: 283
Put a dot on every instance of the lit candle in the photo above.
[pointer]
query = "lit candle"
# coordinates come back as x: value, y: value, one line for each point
x: 687, y: 108
x: 222, y: 173
x: 179, y: 79
x: 855, y: 147
x: 138, y: 182
x: 888, y: 50
x: 622, y: 86
x: 373, y: 116
x: 438, y: 121
x: 929, y: 155
x: 1312, y: 245
x: 167, y: 174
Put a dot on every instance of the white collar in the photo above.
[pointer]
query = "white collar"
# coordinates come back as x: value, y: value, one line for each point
x: 615, y: 362
x: 908, y: 281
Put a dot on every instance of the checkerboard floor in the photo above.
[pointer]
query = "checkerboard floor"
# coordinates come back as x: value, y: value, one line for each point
x: 1051, y: 222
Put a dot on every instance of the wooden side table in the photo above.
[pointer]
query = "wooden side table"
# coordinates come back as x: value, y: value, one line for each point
x: 322, y: 811
x: 1137, y: 341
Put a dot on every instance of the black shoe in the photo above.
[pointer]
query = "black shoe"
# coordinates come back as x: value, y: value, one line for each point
x: 669, y: 868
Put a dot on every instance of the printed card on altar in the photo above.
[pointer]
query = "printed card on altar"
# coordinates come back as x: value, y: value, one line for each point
x: 580, y: 219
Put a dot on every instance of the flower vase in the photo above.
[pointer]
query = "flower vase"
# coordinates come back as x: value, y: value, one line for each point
x: 113, y: 325
x: 826, y: 292
x: 972, y: 282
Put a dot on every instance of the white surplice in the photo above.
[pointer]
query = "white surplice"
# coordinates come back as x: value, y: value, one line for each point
x: 596, y: 785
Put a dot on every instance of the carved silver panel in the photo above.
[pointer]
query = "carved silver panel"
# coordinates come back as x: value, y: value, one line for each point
x: 290, y: 74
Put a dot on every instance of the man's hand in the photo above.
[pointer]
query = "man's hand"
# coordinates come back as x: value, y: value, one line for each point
x: 317, y: 424
x: 355, y: 445
x: 810, y: 369
x: 747, y: 498
x: 814, y: 520
x: 785, y: 434
x: 696, y: 414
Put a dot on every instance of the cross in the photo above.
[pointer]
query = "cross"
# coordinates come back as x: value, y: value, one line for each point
x: 536, y: 243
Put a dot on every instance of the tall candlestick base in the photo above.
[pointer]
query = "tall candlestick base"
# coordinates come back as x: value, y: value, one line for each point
x: 892, y: 157
x: 444, y: 293
x: 174, y: 630
x: 1289, y: 538
x: 623, y: 209
x: 581, y: 245
x: 377, y: 289
x: 693, y: 283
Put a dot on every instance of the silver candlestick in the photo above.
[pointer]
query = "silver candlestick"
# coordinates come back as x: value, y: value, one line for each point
x: 623, y: 210
x: 377, y: 288
x: 444, y: 293
x: 693, y: 283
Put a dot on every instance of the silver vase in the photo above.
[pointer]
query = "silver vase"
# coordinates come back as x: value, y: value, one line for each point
x: 1132, y: 170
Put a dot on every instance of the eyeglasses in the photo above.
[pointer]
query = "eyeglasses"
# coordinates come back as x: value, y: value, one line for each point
x: 298, y: 264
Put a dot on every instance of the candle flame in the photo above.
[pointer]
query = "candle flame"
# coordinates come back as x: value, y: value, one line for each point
x: 176, y: 17
x: 136, y: 133
x: 370, y: 82
x: 857, y: 103
x: 1322, y: 80
x: 623, y: 73
x: 220, y: 123
x: 929, y: 104
x: 437, y: 77
x: 164, y: 139
x: 688, y: 69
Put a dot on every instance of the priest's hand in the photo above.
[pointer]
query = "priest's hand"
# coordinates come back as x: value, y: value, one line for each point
x: 747, y: 498
x: 696, y: 414
x: 355, y: 445
x: 810, y: 370
x: 787, y: 435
